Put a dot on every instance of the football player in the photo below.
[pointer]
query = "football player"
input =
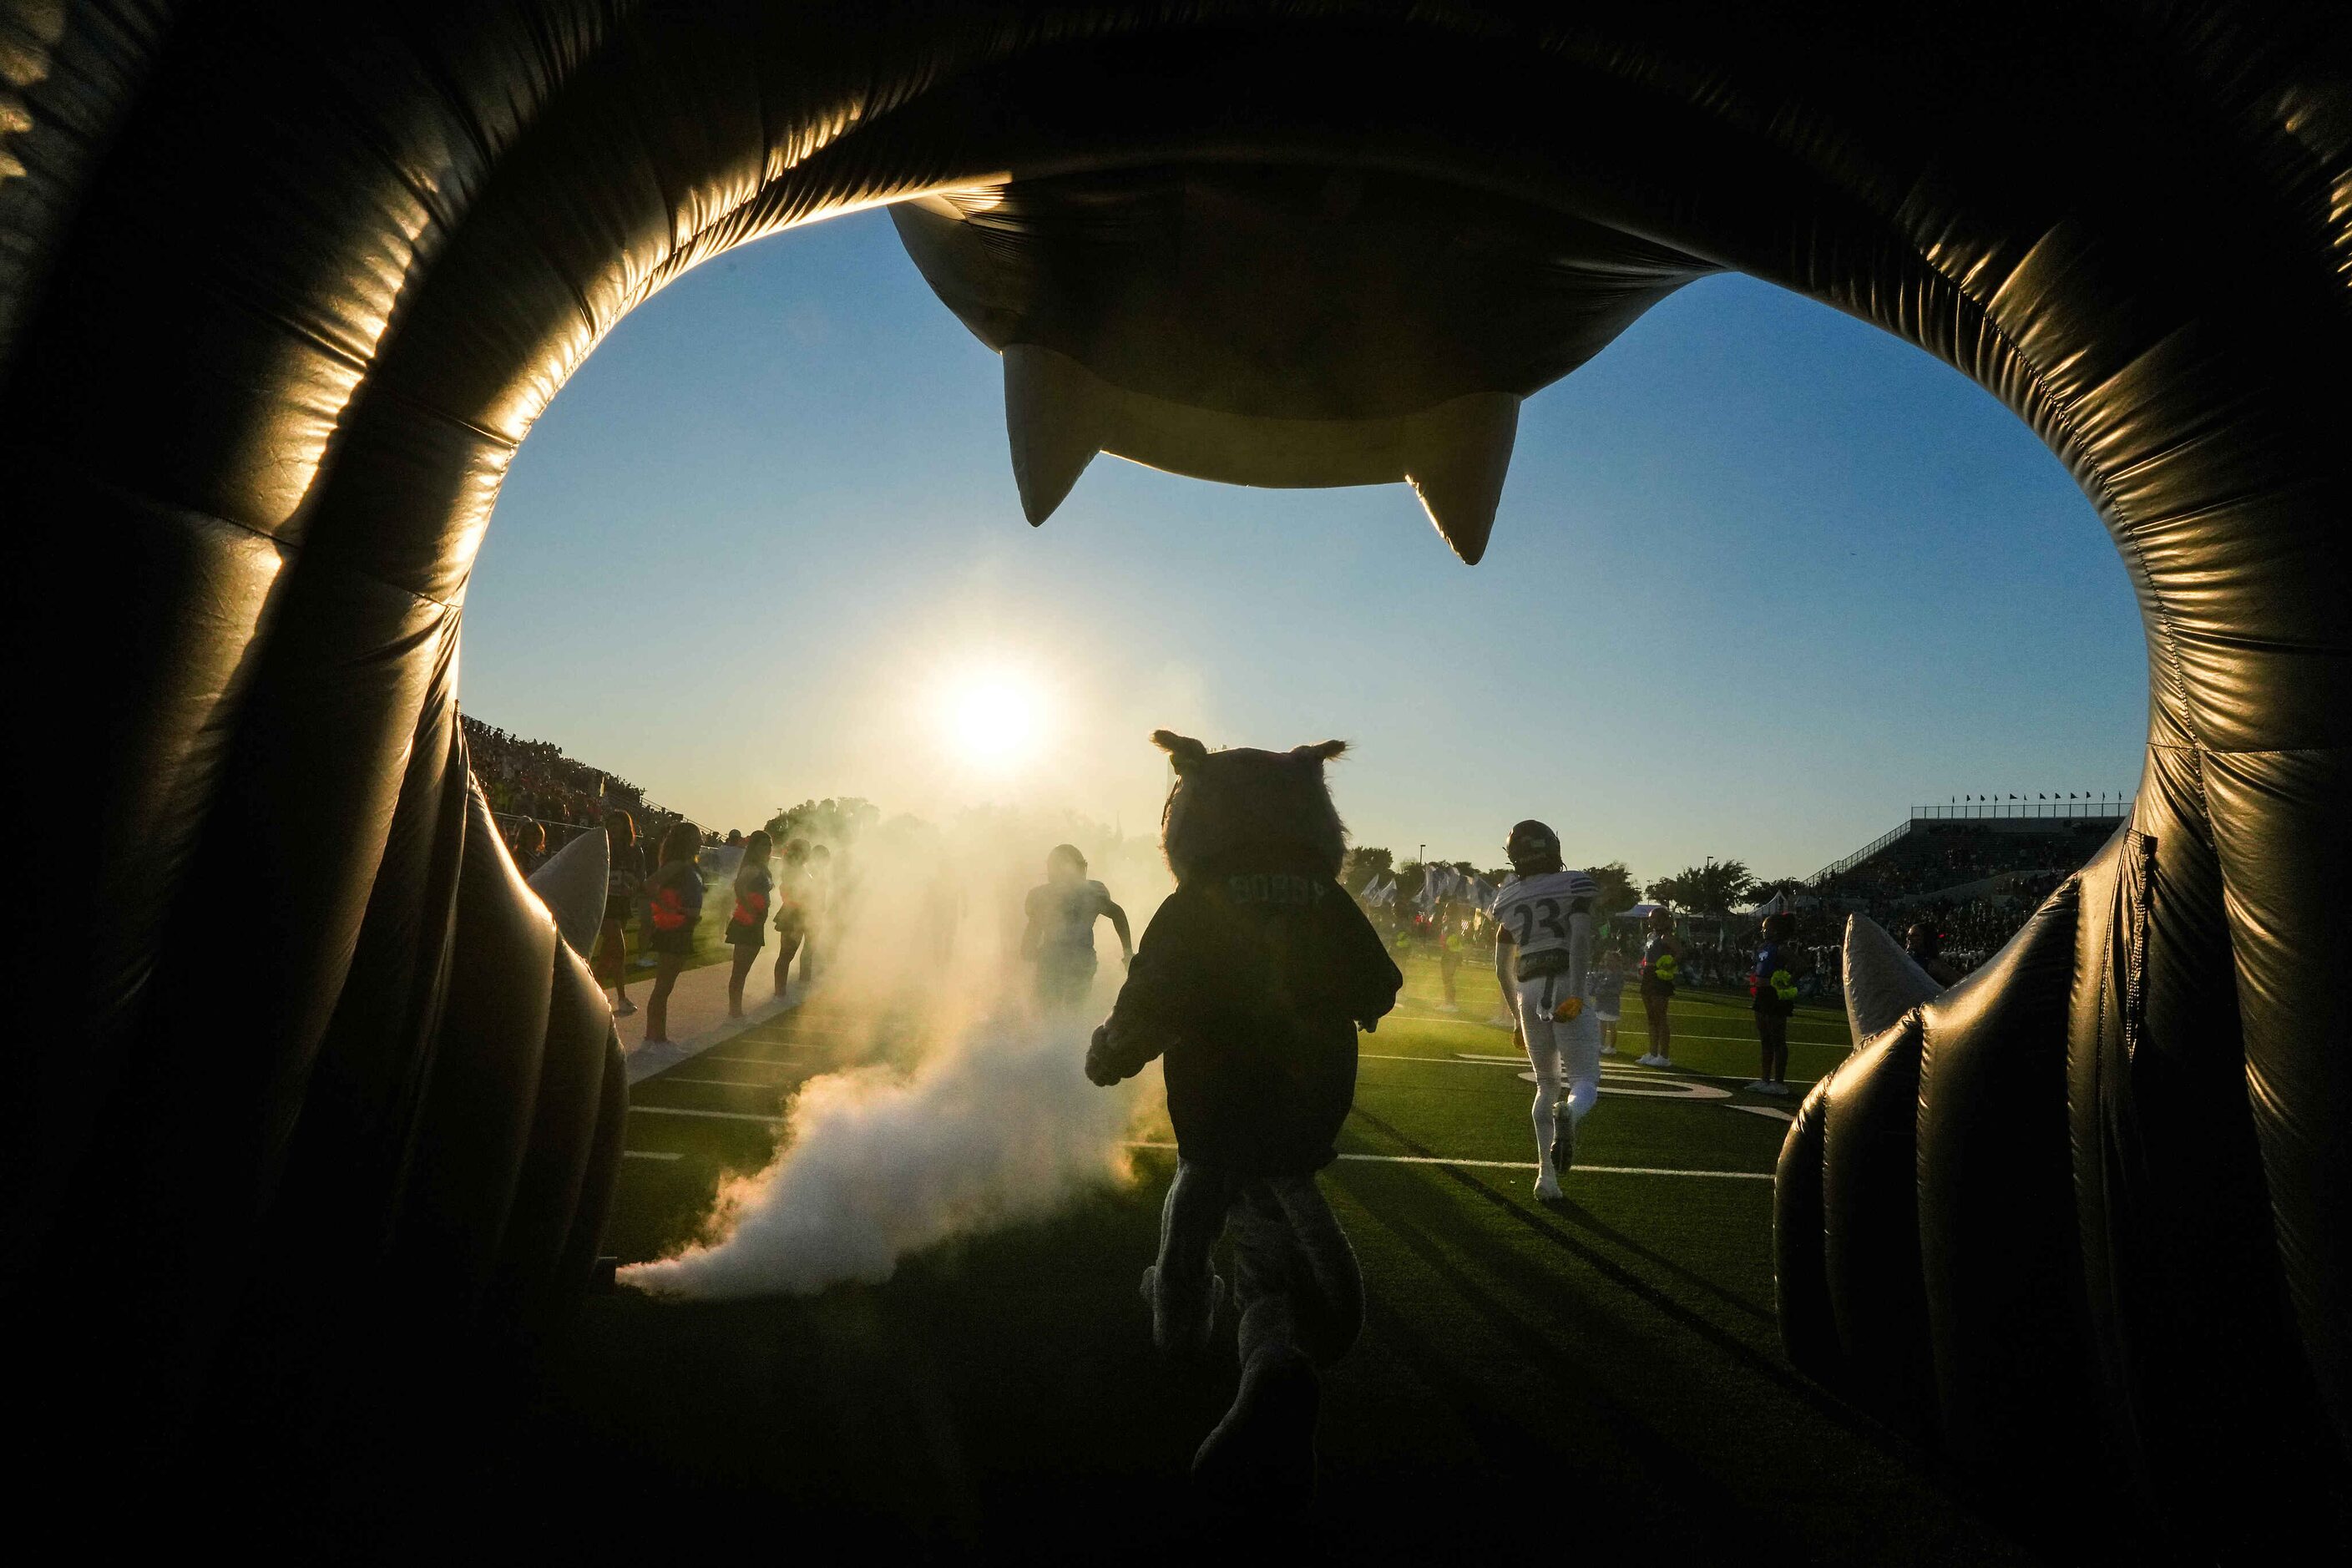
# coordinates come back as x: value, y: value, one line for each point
x: 1060, y: 938
x: 1543, y: 947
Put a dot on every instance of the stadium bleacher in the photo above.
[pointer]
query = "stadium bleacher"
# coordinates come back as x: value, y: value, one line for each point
x: 1975, y: 871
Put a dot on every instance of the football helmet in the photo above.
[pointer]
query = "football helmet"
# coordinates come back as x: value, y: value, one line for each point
x: 1532, y: 847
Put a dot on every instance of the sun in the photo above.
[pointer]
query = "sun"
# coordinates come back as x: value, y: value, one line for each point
x: 995, y: 718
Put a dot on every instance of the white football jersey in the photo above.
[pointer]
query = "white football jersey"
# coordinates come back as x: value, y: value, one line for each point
x: 1535, y: 909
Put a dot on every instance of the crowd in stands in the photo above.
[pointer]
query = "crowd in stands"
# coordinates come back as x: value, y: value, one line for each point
x: 1938, y: 856
x: 1974, y: 884
x: 541, y: 797
x: 534, y: 780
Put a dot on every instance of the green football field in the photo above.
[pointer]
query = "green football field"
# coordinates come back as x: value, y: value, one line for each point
x: 1599, y: 1372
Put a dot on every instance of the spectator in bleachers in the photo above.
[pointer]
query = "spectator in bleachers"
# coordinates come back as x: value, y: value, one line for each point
x: 529, y: 847
x: 1924, y: 945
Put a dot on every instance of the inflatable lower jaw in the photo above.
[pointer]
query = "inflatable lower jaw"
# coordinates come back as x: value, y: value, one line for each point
x: 415, y: 1240
x: 1978, y: 1241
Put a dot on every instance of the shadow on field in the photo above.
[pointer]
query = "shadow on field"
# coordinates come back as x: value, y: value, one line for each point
x: 1518, y: 1384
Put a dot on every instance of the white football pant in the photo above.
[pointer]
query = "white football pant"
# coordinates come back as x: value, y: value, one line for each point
x: 1558, y: 1050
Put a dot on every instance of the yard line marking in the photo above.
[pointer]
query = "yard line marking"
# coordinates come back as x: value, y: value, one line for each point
x: 717, y: 1082
x: 1441, y: 1061
x: 712, y: 1115
x: 1520, y: 1165
x: 1530, y: 1165
x: 1766, y: 1111
x: 1679, y: 1035
x: 1623, y: 1078
x: 648, y: 1154
x: 1750, y: 1039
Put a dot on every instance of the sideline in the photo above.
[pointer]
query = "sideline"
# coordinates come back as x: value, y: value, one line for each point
x: 699, y: 1020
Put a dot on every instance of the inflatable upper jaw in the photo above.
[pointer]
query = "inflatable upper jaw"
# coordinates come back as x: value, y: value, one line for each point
x: 1284, y: 326
x: 1058, y: 415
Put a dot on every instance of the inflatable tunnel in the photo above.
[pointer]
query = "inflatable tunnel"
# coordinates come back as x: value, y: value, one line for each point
x: 283, y: 287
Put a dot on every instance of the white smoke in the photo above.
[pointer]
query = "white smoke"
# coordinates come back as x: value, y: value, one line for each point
x: 993, y: 1123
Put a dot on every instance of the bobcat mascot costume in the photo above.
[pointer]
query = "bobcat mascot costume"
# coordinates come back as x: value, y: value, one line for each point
x: 1251, y: 982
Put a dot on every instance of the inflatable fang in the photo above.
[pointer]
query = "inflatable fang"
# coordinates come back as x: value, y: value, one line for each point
x: 284, y: 286
x: 1882, y: 981
x: 572, y: 884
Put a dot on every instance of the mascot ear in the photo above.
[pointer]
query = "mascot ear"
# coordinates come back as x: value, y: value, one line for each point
x: 1183, y: 751
x: 1320, y: 753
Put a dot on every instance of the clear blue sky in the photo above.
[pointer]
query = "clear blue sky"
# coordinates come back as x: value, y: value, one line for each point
x: 1763, y: 576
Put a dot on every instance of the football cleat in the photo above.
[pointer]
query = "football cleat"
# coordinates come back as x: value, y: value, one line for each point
x: 1563, y: 1143
x: 1546, y: 1188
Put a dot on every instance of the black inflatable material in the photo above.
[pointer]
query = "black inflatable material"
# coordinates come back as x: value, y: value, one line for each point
x: 1801, y: 1270
x: 1870, y: 1208
x: 531, y: 1279
x: 1997, y: 1240
x: 284, y: 284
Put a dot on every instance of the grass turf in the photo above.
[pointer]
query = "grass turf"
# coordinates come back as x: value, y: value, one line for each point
x: 1602, y: 1374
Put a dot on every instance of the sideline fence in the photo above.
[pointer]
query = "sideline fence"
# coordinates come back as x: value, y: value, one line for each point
x: 559, y: 833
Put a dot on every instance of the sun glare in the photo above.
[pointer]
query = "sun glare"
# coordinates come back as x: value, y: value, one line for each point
x: 995, y: 718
